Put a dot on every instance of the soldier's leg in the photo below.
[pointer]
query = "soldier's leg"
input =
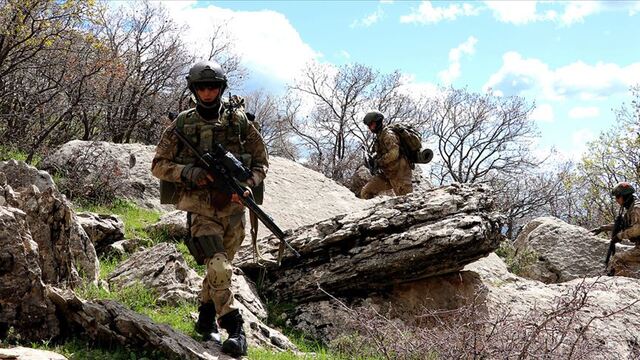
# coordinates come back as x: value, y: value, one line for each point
x: 375, y: 186
x: 206, y: 243
x: 627, y: 263
x: 230, y: 317
x: 401, y: 182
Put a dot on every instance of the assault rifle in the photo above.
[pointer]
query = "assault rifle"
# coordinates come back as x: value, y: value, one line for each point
x: 370, y: 161
x: 224, y: 166
x: 618, y: 226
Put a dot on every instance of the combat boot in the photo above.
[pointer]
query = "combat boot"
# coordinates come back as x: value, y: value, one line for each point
x: 206, y: 324
x: 236, y: 344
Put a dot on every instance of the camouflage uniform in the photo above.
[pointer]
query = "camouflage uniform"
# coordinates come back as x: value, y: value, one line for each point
x: 395, y: 168
x: 627, y: 263
x: 212, y: 212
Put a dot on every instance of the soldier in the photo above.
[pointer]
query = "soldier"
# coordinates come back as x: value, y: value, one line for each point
x: 394, y: 165
x: 625, y: 263
x: 216, y: 219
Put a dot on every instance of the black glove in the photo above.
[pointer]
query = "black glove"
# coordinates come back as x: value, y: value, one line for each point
x: 194, y: 175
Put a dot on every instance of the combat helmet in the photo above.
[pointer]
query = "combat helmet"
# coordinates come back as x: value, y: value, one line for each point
x: 374, y: 116
x: 207, y: 72
x: 623, y: 189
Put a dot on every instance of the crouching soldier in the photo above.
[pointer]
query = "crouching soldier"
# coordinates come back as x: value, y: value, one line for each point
x: 625, y: 263
x: 394, y: 167
x: 216, y: 219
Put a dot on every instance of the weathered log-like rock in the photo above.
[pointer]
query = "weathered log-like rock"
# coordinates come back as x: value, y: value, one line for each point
x: 66, y: 255
x: 23, y: 304
x: 103, y: 229
x: 399, y: 240
x: 564, y: 252
x: 107, y: 321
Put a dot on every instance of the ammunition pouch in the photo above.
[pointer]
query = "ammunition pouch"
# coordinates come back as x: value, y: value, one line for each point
x: 204, y: 247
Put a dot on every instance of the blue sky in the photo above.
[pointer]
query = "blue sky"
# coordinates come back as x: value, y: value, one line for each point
x: 576, y: 60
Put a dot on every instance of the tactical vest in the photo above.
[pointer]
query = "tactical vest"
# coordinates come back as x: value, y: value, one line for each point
x: 230, y: 131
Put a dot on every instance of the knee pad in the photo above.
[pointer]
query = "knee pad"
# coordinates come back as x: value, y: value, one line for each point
x: 219, y: 272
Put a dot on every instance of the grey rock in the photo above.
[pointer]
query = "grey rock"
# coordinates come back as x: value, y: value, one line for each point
x: 103, y: 229
x: 565, y: 252
x: 23, y: 304
x: 66, y: 254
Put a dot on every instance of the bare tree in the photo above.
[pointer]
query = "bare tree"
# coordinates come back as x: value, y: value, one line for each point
x: 523, y: 196
x: 272, y: 123
x: 143, y: 81
x: 332, y: 129
x: 480, y: 134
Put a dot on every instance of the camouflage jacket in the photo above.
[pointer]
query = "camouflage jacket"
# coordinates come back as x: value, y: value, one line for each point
x: 171, y: 157
x: 387, y: 150
x: 631, y: 218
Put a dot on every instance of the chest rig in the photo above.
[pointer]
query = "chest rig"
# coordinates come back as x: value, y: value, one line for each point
x: 229, y: 130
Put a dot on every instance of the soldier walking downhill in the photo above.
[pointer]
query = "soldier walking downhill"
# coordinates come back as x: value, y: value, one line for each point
x: 216, y: 219
x: 625, y: 263
x: 395, y: 169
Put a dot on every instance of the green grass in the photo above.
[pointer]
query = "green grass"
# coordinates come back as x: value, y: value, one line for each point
x: 7, y: 153
x: 134, y: 217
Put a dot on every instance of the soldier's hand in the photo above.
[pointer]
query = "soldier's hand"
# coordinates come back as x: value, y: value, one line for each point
x: 619, y: 236
x: 596, y: 231
x: 196, y: 175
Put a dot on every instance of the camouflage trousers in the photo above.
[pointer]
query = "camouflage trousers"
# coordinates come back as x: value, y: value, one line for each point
x: 627, y: 263
x: 401, y: 185
x: 216, y: 286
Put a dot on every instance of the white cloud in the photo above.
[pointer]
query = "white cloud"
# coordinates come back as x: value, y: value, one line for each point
x: 428, y: 14
x: 369, y: 19
x: 455, y: 54
x: 519, y: 13
x: 345, y: 54
x: 520, y: 76
x: 543, y: 113
x: 580, y: 112
x: 635, y: 8
x: 417, y: 90
x: 576, y: 11
x: 579, y: 140
x: 256, y: 34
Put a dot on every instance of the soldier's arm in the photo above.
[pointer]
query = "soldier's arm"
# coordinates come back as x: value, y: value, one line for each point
x: 391, y: 144
x: 255, y: 146
x: 163, y: 167
x: 634, y: 230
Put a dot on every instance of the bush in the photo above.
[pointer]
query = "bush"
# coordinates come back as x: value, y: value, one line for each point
x: 470, y: 332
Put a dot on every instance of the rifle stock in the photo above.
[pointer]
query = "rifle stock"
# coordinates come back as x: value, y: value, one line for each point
x: 218, y: 165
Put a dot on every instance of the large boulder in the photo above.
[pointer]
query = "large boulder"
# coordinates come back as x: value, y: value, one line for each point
x: 564, y: 252
x: 605, y: 309
x: 95, y: 166
x: 24, y: 308
x: 399, y: 240
x: 66, y: 255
